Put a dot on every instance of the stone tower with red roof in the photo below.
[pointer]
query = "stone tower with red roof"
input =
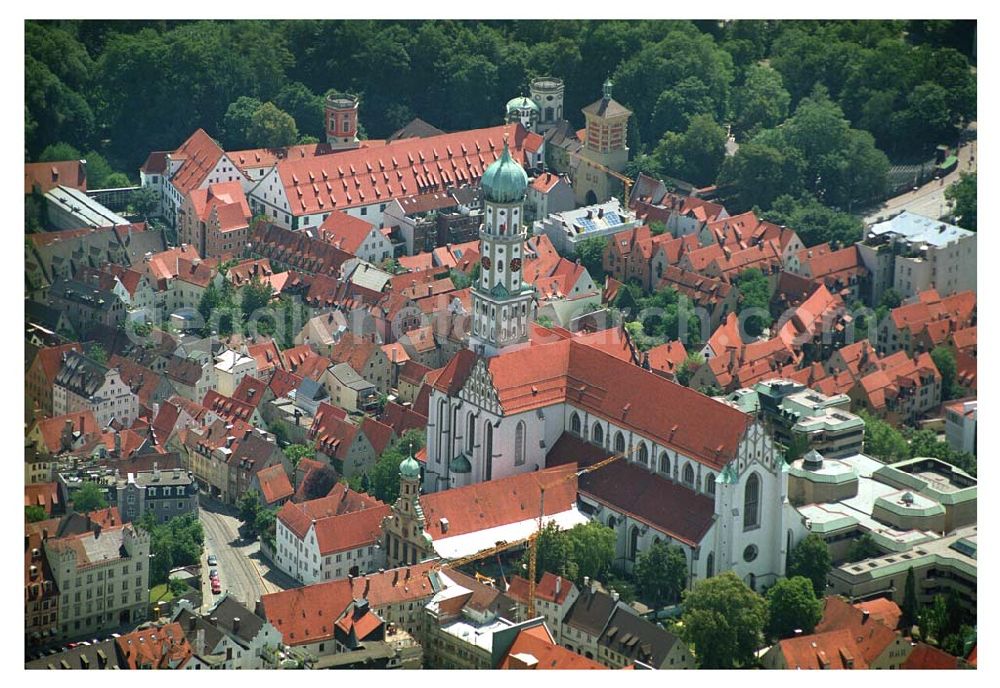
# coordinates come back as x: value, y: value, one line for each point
x: 342, y: 121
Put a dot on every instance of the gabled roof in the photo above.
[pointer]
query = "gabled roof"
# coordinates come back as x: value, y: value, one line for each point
x: 400, y: 169
x: 46, y: 176
x: 353, y: 350
x: 351, y: 530
x: 628, y: 487
x: 590, y: 612
x: 830, y: 650
x: 379, y: 434
x: 216, y: 197
x: 534, y: 650
x: 333, y: 434
x: 402, y: 418
x: 227, y: 407
x: 871, y: 635
x: 544, y: 590
x: 274, y: 483
x: 924, y: 656
x: 345, y: 231
x: 498, y: 502
x: 159, y: 647
x: 883, y: 610
x: 200, y: 154
x: 50, y: 359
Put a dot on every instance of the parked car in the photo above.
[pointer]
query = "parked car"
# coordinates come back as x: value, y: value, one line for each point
x: 213, y: 574
x: 212, y: 561
x: 216, y: 586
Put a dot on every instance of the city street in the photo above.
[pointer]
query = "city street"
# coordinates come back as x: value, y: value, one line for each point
x: 929, y: 199
x: 243, y: 571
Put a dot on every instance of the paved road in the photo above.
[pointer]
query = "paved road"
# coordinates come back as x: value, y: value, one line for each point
x: 243, y: 572
x: 929, y: 199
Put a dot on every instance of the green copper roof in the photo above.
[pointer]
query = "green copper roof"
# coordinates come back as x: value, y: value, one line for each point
x: 505, y: 181
x: 460, y: 464
x: 409, y: 468
x: 521, y: 102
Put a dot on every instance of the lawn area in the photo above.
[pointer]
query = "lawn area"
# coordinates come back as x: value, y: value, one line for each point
x: 162, y: 593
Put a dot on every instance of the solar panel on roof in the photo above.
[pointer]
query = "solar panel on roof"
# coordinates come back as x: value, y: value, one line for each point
x: 612, y: 218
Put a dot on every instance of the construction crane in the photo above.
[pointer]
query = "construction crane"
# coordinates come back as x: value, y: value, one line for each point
x: 626, y: 182
x: 531, y: 540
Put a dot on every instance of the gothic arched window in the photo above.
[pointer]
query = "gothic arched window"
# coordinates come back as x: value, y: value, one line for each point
x: 519, y: 444
x: 620, y: 442
x: 574, y: 423
x: 751, y: 502
x: 470, y: 435
x: 442, y: 420
x: 598, y: 434
x: 643, y: 454
x: 633, y: 544
x: 689, y: 475
x: 664, y: 463
x: 710, y: 565
x: 710, y: 484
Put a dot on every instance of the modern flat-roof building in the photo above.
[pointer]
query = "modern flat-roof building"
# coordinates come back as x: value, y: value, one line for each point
x: 566, y: 230
x: 70, y: 208
x: 912, y: 253
x: 960, y: 424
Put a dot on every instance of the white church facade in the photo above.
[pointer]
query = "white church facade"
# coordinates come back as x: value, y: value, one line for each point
x: 695, y: 472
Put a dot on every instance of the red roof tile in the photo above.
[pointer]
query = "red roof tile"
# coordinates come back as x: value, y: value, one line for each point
x: 830, y: 650
x: 46, y: 176
x: 871, y: 635
x: 274, y: 483
x: 200, y: 154
x: 923, y: 656
x: 883, y: 610
x: 344, y: 231
x: 545, y: 653
x: 544, y: 590
x: 159, y: 647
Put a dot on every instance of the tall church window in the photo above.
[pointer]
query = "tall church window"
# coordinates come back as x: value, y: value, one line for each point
x: 470, y: 435
x: 643, y: 454
x: 620, y: 442
x: 488, y: 474
x: 664, y: 463
x: 751, y: 502
x: 574, y: 423
x: 710, y: 565
x: 710, y: 484
x: 598, y: 434
x: 633, y: 544
x: 689, y: 475
x: 519, y: 444
x: 442, y: 419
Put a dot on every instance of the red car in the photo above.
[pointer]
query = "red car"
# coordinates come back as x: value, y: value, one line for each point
x: 216, y: 586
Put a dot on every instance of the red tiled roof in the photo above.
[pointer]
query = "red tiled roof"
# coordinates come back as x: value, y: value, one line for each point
x: 498, y: 502
x: 965, y: 339
x: 546, y: 653
x: 46, y: 176
x: 923, y: 656
x: 344, y: 231
x: 267, y: 354
x: 332, y: 433
x: 306, y: 615
x: 545, y: 182
x: 228, y: 407
x: 830, y: 650
x: 418, y: 262
x: 156, y: 163
x: 297, y: 250
x: 379, y: 434
x: 883, y: 610
x: 215, y: 197
x: 625, y: 486
x: 350, y: 531
x: 50, y: 359
x: 274, y: 483
x: 159, y: 647
x: 667, y: 357
x: 400, y: 169
x: 267, y: 157
x: 871, y: 635
x: 200, y: 154
x: 250, y: 391
x: 282, y: 382
x: 402, y: 418
x: 45, y: 495
x: 354, y: 351
x: 544, y: 590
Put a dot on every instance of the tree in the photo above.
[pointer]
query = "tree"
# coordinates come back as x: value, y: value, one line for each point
x: 271, y: 127
x: 34, y: 513
x: 177, y: 542
x: 863, y: 548
x: 762, y: 102
x: 697, y: 154
x: 661, y: 572
x: 792, y: 606
x: 760, y: 173
x: 891, y: 298
x: 689, y: 367
x: 248, y: 505
x: 383, y: 478
x: 319, y: 482
x: 883, y: 441
x: 590, y: 251
x: 910, y: 605
x: 553, y: 554
x: 296, y: 452
x: 98, y: 353
x: 89, y: 497
x: 811, y: 559
x: 944, y: 360
x: 814, y: 222
x: 963, y: 194
x: 305, y: 107
x: 724, y: 620
x: 265, y: 525
x: 678, y: 104
x: 593, y: 548
x: 210, y: 301
x: 255, y: 296
x: 755, y: 292
x: 237, y: 121
x: 145, y: 202
x: 58, y: 152
x: 797, y: 447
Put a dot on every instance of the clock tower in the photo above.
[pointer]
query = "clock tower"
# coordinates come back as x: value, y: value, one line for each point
x: 502, y: 303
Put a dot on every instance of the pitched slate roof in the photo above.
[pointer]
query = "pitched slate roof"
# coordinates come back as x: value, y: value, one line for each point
x: 81, y: 375
x: 630, y: 488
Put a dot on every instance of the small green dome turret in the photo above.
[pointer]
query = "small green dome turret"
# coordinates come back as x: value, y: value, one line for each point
x: 505, y: 181
x: 409, y: 468
x: 522, y: 102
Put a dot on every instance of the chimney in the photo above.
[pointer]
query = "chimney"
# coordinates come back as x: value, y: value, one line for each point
x: 615, y: 595
x: 865, y: 615
x: 236, y: 624
x: 593, y: 587
x: 558, y: 585
x: 118, y: 444
x: 444, y: 525
x: 97, y: 530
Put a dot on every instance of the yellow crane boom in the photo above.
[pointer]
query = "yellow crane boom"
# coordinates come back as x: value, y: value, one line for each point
x: 626, y: 182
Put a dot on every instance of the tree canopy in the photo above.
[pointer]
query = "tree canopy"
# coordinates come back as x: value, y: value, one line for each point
x: 586, y: 549
x: 724, y: 620
x: 811, y: 559
x: 177, y: 542
x: 792, y: 606
x: 89, y: 497
x: 964, y: 195
x: 661, y: 572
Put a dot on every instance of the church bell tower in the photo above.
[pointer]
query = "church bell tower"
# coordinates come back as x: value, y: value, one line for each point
x: 502, y: 303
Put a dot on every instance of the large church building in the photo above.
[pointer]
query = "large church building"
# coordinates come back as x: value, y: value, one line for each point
x: 695, y: 472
